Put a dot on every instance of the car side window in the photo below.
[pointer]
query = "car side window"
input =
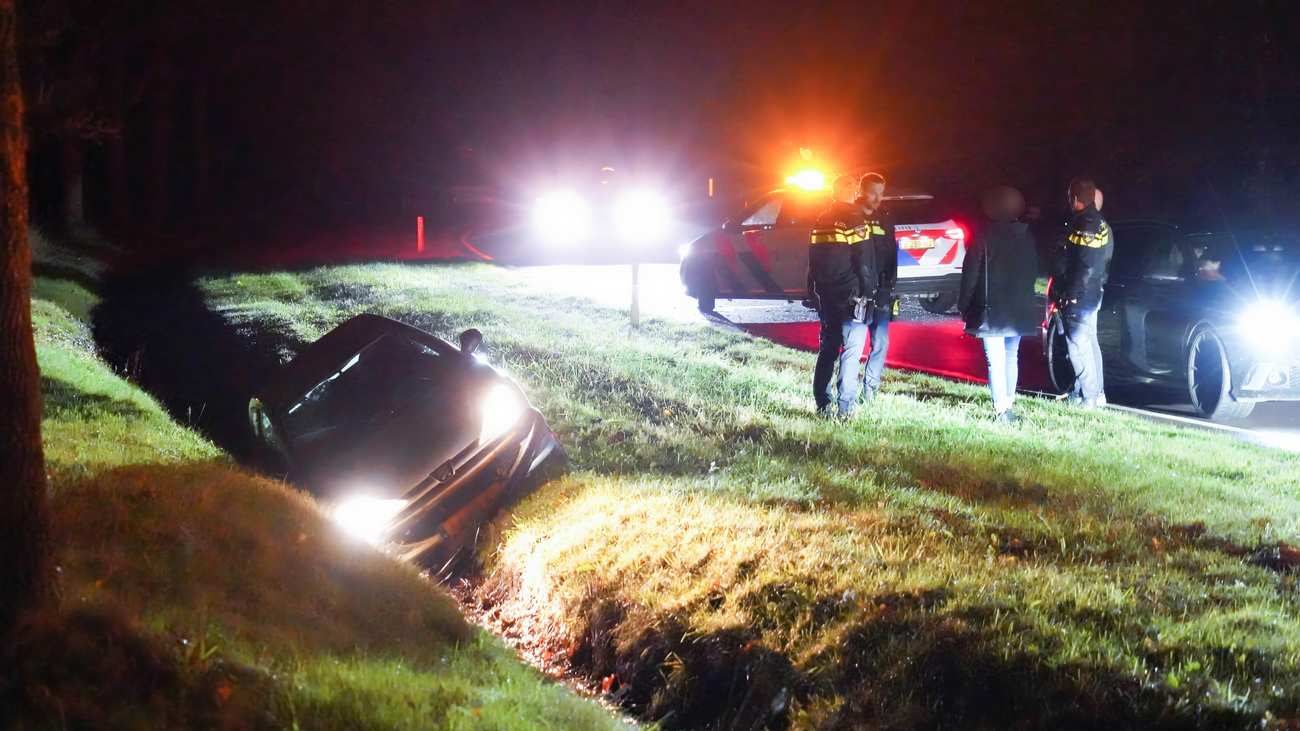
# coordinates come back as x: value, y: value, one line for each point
x: 1147, y: 252
x: 1165, y: 260
x: 765, y: 215
x: 801, y: 212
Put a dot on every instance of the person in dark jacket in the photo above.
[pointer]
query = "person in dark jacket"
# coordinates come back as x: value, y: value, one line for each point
x: 838, y: 288
x: 997, y: 299
x: 1085, y: 256
x: 881, y: 257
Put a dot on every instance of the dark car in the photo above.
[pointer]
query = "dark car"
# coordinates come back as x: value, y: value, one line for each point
x: 413, y: 442
x: 1206, y: 318
x: 762, y: 252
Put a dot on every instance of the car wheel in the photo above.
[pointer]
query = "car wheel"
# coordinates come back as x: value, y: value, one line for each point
x: 705, y: 304
x: 940, y: 304
x: 1209, y: 379
x: 1059, y: 368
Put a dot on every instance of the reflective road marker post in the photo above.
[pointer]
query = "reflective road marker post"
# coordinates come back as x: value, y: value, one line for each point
x: 419, y: 234
x: 636, y: 294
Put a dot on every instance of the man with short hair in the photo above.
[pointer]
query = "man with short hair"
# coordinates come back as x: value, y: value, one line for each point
x: 837, y: 287
x: 881, y: 263
x: 1086, y: 251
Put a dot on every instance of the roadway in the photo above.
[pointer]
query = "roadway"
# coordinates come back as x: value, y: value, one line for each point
x: 918, y: 340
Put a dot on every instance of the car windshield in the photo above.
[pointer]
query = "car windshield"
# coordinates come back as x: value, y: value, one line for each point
x: 371, y: 384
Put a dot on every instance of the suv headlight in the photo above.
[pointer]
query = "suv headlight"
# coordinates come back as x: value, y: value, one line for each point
x: 1269, y: 324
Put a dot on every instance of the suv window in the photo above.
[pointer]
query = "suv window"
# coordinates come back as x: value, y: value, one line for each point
x: 1149, y: 251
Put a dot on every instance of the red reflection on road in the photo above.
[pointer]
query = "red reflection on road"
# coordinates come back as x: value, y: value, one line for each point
x: 940, y: 348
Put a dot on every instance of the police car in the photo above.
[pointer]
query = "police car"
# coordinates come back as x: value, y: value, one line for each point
x: 762, y: 252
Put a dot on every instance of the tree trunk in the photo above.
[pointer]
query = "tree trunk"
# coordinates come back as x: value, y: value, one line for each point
x: 25, y: 575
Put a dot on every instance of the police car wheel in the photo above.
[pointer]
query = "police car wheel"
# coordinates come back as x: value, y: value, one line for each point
x: 940, y: 304
x: 1209, y: 379
x: 1059, y: 368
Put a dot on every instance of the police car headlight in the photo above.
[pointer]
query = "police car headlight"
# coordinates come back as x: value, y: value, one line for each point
x: 642, y: 216
x: 1269, y: 325
x: 561, y: 217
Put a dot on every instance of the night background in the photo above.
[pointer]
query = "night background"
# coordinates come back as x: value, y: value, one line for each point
x: 249, y: 119
x: 463, y: 365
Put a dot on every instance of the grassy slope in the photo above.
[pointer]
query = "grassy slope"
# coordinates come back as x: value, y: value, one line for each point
x: 918, y: 565
x: 198, y: 595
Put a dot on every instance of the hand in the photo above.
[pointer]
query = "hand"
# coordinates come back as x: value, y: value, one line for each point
x: 811, y: 303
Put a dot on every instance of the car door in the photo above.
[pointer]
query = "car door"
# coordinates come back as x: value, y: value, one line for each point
x: 1142, y: 325
x: 765, y: 254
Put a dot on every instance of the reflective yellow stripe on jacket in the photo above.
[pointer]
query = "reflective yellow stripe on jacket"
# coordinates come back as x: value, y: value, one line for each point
x: 838, y: 235
x: 1092, y: 241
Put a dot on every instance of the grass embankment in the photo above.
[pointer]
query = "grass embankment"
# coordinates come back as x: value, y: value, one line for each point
x: 731, y: 559
x: 195, y: 595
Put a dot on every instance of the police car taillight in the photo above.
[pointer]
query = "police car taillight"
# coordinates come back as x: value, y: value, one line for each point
x: 956, y: 233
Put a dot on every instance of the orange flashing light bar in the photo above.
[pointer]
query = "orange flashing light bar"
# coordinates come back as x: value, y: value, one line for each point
x: 809, y: 179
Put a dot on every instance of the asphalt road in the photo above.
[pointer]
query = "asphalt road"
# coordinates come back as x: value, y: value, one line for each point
x: 918, y: 340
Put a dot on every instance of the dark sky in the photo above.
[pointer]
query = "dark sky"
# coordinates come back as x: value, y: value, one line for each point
x: 380, y: 99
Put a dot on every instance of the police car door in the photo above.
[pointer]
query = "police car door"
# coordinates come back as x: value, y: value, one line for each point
x: 767, y: 255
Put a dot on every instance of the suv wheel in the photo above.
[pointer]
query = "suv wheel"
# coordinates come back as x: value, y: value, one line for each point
x: 1059, y: 368
x: 1209, y: 379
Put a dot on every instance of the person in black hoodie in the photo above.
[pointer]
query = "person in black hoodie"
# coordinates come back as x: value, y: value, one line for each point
x: 997, y: 299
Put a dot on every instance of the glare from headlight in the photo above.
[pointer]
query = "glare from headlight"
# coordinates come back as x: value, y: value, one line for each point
x: 642, y: 216
x: 501, y: 409
x: 367, y: 518
x: 1269, y: 324
x: 683, y: 251
x: 561, y: 217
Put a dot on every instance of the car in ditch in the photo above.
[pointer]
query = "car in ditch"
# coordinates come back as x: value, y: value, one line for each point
x: 412, y: 443
x: 1197, y: 317
x: 762, y: 252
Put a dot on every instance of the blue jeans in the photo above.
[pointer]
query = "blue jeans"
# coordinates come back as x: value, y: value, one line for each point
x: 841, y: 342
x: 878, y: 328
x: 1085, y: 353
x: 1003, y: 356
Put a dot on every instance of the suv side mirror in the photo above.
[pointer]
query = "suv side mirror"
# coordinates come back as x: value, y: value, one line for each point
x: 470, y: 340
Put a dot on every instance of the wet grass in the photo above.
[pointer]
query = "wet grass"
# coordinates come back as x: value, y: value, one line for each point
x: 197, y: 595
x: 917, y: 566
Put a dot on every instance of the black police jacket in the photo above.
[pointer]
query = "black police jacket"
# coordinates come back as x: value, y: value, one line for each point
x: 851, y: 256
x: 997, y: 281
x: 1086, y: 251
x: 882, y: 258
x: 836, y: 267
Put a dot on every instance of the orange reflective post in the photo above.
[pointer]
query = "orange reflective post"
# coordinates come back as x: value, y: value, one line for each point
x: 419, y: 234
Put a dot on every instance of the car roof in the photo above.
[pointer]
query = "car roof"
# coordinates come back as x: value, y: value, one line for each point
x: 327, y: 355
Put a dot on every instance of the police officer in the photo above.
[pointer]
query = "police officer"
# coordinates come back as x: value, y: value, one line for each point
x: 881, y: 264
x: 1085, y: 255
x: 838, y: 288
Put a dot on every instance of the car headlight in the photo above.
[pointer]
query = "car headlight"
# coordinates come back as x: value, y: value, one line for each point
x: 561, y: 217
x: 500, y: 409
x: 642, y: 216
x: 367, y: 518
x: 1269, y: 324
x: 684, y: 251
